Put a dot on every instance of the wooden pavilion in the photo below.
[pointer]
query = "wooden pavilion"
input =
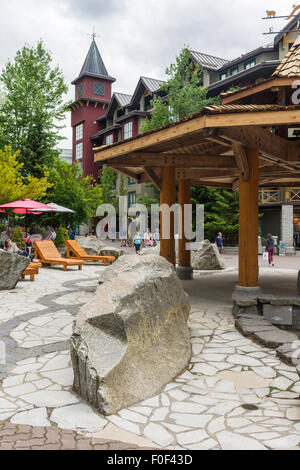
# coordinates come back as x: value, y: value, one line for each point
x: 228, y: 146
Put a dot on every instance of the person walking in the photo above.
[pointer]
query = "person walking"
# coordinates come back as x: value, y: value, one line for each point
x: 147, y: 237
x: 219, y: 242
x: 137, y: 242
x: 270, y: 246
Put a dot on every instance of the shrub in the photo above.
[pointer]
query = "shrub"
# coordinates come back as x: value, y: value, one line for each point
x: 60, y: 237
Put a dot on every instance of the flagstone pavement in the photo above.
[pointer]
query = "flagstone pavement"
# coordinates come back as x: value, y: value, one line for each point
x: 234, y: 394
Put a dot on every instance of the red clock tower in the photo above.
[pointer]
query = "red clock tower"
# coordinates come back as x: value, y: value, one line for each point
x: 92, y: 96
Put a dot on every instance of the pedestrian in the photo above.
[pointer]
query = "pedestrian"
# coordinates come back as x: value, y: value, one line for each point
x: 270, y: 246
x: 147, y: 237
x: 137, y: 242
x: 219, y: 242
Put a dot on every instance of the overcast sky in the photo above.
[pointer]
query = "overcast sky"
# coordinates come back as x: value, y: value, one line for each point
x: 136, y: 37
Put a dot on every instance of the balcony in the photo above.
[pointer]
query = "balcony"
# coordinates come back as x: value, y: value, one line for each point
x: 270, y: 196
x: 276, y: 196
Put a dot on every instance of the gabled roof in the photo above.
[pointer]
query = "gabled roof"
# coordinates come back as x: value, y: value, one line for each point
x: 94, y: 65
x: 209, y: 61
x: 120, y: 99
x: 152, y: 85
x: 290, y: 66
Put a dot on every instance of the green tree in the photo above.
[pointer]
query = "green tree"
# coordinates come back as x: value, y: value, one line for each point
x: 32, y: 107
x: 61, y: 236
x: 13, y: 185
x: 108, y: 185
x: 71, y: 190
x: 184, y: 92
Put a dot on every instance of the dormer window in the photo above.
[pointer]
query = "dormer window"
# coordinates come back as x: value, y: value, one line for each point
x: 249, y: 64
x: 223, y: 76
x: 99, y: 89
x: 234, y: 71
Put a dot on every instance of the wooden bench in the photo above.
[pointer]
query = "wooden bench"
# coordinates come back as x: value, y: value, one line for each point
x: 47, y: 252
x: 75, y: 251
x: 31, y: 270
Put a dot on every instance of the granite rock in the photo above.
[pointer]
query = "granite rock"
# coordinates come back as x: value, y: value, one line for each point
x: 155, y: 250
x: 92, y: 245
x: 11, y: 268
x: 132, y: 338
x: 111, y: 251
x: 207, y: 258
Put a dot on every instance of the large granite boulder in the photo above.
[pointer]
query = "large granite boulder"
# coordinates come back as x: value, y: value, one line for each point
x: 112, y: 251
x: 92, y: 245
x: 155, y: 250
x: 11, y: 268
x: 132, y: 338
x: 298, y: 370
x: 207, y: 258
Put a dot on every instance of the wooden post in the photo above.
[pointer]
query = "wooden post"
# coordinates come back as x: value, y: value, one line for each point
x: 184, y: 197
x: 167, y: 196
x: 248, y: 223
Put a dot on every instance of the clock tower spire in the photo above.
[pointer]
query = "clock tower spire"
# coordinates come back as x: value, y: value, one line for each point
x: 92, y: 96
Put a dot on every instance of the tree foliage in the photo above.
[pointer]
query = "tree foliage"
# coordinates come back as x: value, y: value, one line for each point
x: 32, y: 107
x: 71, y: 190
x: 13, y: 185
x: 108, y: 184
x: 221, y: 212
x: 184, y: 92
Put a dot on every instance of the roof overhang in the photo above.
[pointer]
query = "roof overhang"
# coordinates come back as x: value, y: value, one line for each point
x: 264, y: 85
x: 208, y: 147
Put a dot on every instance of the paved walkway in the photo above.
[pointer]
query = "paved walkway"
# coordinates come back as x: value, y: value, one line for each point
x: 233, y: 395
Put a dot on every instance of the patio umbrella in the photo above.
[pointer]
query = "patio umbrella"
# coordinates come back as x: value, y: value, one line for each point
x: 25, y: 206
x: 54, y: 208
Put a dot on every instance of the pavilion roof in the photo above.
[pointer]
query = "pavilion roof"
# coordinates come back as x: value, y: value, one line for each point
x: 209, y: 147
x: 290, y: 65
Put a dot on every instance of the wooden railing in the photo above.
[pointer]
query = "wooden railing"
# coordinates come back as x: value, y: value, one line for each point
x: 269, y: 196
x: 292, y: 194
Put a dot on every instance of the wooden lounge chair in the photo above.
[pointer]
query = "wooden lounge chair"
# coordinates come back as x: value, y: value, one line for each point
x: 31, y: 270
x: 75, y: 251
x: 47, y: 252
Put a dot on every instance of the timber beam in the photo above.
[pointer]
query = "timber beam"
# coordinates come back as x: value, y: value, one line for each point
x: 241, y: 160
x: 150, y: 173
x: 256, y: 137
x: 130, y: 174
x: 178, y: 161
x: 194, y: 174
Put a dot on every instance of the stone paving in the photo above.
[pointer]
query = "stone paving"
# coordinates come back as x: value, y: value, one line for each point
x: 234, y: 394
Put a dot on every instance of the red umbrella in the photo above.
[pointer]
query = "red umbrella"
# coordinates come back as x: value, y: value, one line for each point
x: 24, y: 206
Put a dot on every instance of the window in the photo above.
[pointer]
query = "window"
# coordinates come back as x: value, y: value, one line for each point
x: 109, y: 139
x: 80, y: 90
x: 234, y: 71
x: 79, y: 151
x: 131, y: 199
x: 249, y: 64
x: 128, y: 130
x: 79, y: 132
x: 80, y: 166
x: 99, y: 89
x: 131, y: 181
x: 223, y: 75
